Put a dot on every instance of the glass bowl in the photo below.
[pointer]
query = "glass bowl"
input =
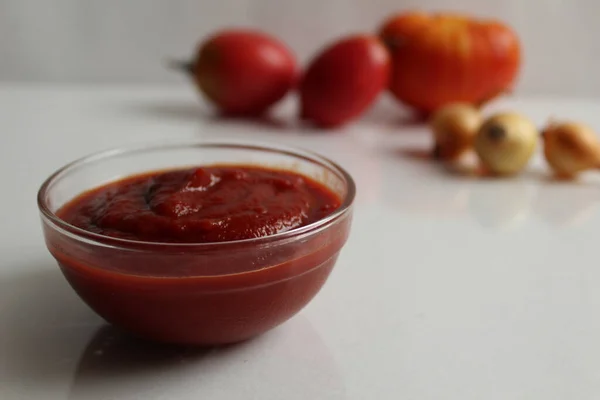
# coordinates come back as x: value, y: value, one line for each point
x: 195, y: 293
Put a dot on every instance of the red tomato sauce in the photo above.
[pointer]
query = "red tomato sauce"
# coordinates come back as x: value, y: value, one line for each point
x: 206, y: 204
x: 191, y: 295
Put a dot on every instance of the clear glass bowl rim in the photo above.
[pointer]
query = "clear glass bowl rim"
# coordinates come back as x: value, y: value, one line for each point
x: 292, y: 151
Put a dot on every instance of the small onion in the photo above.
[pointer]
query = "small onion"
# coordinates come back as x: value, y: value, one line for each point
x: 570, y: 148
x: 505, y: 143
x: 454, y: 128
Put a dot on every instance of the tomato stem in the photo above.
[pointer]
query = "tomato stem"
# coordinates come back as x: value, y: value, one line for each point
x: 181, y: 66
x: 437, y: 152
x: 393, y: 43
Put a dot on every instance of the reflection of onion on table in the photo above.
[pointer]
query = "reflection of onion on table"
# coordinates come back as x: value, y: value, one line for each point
x: 431, y: 199
x: 564, y: 204
x: 501, y: 205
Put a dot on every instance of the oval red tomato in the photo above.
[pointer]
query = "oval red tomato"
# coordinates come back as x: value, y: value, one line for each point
x: 244, y: 72
x: 344, y: 80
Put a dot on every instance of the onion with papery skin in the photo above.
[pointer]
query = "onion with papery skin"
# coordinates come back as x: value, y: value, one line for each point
x: 454, y: 128
x: 570, y: 148
x: 505, y: 143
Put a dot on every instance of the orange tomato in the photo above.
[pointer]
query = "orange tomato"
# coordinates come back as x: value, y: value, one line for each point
x: 445, y: 58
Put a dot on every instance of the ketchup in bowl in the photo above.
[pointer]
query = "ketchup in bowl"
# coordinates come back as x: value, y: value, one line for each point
x: 207, y: 254
x: 202, y: 205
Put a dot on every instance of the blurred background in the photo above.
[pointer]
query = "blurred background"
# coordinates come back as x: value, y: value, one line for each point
x: 127, y: 41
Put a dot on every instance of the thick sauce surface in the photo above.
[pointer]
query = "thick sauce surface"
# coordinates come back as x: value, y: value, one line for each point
x: 206, y: 204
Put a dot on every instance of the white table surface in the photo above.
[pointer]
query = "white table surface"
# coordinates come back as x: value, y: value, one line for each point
x: 448, y: 288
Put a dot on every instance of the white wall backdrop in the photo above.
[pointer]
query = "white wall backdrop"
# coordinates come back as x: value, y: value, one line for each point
x: 126, y: 40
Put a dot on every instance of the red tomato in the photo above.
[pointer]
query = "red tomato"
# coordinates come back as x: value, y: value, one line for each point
x: 243, y: 72
x: 344, y: 80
